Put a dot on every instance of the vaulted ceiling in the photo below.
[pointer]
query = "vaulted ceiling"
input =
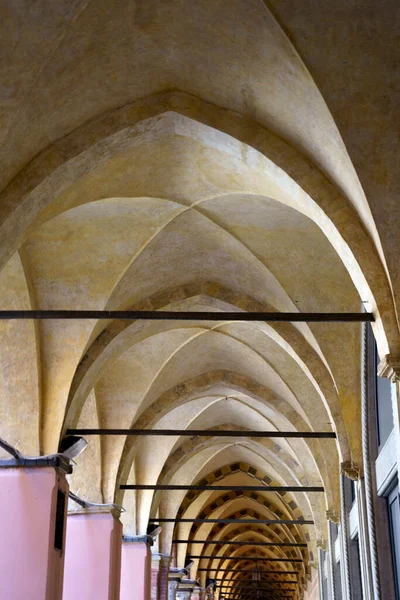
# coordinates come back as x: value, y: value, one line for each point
x: 211, y: 156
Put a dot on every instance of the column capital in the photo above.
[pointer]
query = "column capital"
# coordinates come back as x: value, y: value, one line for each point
x: 351, y: 470
x: 95, y: 510
x: 56, y: 461
x: 390, y: 367
x: 138, y: 539
x: 176, y: 574
x: 88, y: 508
x: 186, y: 584
x: 61, y: 462
x: 323, y: 544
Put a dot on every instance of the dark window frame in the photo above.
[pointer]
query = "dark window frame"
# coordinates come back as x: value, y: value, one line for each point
x: 59, y: 528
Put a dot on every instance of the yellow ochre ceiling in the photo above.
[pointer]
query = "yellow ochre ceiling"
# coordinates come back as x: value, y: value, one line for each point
x: 215, y: 156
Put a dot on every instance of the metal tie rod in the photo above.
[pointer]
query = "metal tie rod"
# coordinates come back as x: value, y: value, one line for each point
x: 265, y: 581
x: 236, y: 591
x: 260, y: 584
x: 248, y: 595
x: 240, y: 543
x: 267, y: 595
x: 254, y: 558
x: 206, y: 433
x: 237, y: 521
x: 234, y: 595
x: 233, y: 584
x: 244, y: 595
x: 261, y: 571
x: 237, y: 594
x: 224, y: 488
x: 159, y: 315
x: 239, y: 582
x: 233, y: 591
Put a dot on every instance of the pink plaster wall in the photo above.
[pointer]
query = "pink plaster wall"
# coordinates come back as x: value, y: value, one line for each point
x: 30, y: 567
x: 135, y: 571
x: 93, y: 557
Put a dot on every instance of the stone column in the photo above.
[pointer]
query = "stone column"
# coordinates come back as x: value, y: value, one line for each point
x: 172, y: 588
x: 93, y: 555
x: 136, y: 568
x: 159, y: 576
x: 33, y: 505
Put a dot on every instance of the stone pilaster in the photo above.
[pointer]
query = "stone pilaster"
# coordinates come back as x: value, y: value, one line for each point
x: 93, y: 554
x: 185, y: 589
x: 136, y: 567
x: 33, y: 501
x: 175, y: 576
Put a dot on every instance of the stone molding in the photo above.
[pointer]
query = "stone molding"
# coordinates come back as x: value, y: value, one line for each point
x: 332, y: 515
x: 351, y: 470
x: 322, y: 544
x: 113, y: 511
x: 56, y: 461
x: 390, y: 367
x: 186, y: 586
x: 176, y: 574
x: 138, y: 539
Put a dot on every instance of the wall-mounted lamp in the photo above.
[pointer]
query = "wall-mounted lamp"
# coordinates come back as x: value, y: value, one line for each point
x: 72, y: 446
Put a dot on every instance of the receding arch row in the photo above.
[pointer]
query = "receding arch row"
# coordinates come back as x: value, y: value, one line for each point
x: 294, y: 530
x: 283, y: 465
x: 118, y: 336
x: 335, y: 215
x: 276, y: 454
x: 277, y: 532
x: 215, y: 571
x: 217, y: 501
x: 251, y: 536
x: 181, y: 393
x: 290, y: 415
x: 254, y: 473
x: 219, y: 505
x: 225, y: 562
x: 109, y: 343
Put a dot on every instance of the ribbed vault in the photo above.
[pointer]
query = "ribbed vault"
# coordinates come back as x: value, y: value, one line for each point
x: 180, y: 156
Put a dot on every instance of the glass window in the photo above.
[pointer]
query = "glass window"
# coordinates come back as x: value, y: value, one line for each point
x: 384, y: 410
x: 325, y: 589
x: 338, y: 581
x: 394, y: 521
x: 325, y: 586
x: 355, y: 565
x: 352, y: 491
